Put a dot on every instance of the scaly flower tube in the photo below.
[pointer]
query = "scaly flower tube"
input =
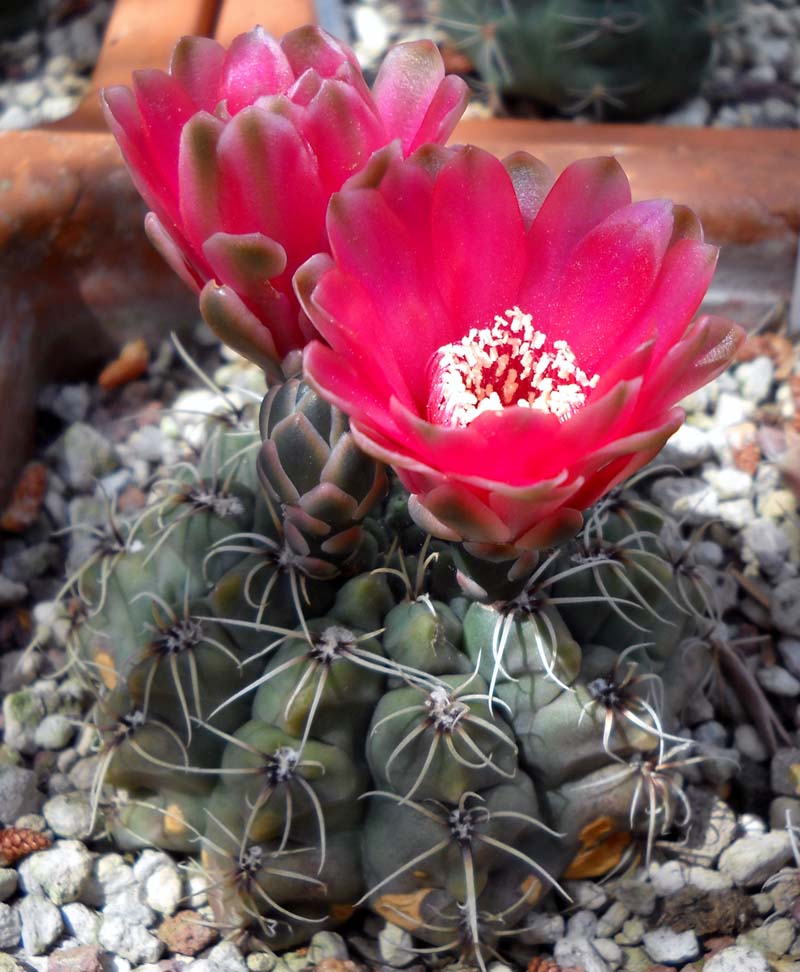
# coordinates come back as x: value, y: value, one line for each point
x: 514, y: 347
x: 237, y: 153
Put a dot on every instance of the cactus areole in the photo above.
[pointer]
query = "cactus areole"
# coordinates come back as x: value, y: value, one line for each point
x: 345, y: 653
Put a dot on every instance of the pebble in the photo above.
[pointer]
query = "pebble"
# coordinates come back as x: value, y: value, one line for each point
x: 748, y: 741
x: 786, y: 607
x: 671, y: 948
x: 11, y: 592
x: 81, y: 958
x: 543, y: 928
x: 68, y: 815
x: 737, y: 959
x: 778, y: 681
x: 9, y: 880
x: 583, y: 924
x: 60, y: 872
x: 766, y: 544
x: 82, y: 923
x: 668, y: 878
x: 751, y: 860
x: 186, y: 933
x: 686, y: 497
x: 126, y: 936
x: 87, y: 455
x: 612, y: 920
x: 162, y: 887
x: 40, y: 921
x: 579, y: 953
x: 54, y: 732
x: 755, y: 379
x: 785, y: 772
x: 773, y: 937
x: 639, y: 897
x: 395, y: 946
x: 23, y: 711
x: 18, y: 793
x: 10, y: 926
x: 687, y: 449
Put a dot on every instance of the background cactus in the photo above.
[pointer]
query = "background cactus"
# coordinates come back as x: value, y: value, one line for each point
x: 291, y: 681
x: 618, y: 58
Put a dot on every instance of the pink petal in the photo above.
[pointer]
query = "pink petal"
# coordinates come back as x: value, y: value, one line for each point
x: 370, y: 243
x: 270, y: 185
x: 165, y: 108
x: 199, y: 177
x: 407, y: 83
x: 705, y: 351
x: 343, y: 129
x: 443, y: 114
x: 255, y: 65
x: 608, y: 279
x: 196, y: 64
x: 173, y: 253
x: 464, y: 513
x: 584, y: 194
x: 678, y: 292
x: 228, y: 317
x: 311, y: 47
x: 478, y: 239
x: 532, y: 181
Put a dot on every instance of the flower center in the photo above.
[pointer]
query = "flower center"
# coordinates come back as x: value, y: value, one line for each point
x: 501, y: 365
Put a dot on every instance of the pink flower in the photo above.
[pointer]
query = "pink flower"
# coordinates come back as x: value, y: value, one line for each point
x: 513, y: 347
x: 237, y: 153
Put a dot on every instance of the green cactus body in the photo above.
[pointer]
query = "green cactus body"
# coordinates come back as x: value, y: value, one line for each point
x: 622, y: 58
x: 333, y: 729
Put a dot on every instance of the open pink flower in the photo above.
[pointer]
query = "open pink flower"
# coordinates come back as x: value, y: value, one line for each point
x: 237, y: 153
x: 513, y: 347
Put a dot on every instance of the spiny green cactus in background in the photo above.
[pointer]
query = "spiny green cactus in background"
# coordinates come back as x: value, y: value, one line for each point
x: 291, y: 681
x: 619, y: 58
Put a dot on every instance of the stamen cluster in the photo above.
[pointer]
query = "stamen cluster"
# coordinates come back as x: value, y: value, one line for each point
x: 505, y: 364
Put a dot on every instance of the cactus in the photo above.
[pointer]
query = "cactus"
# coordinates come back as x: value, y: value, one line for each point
x: 619, y: 58
x: 291, y: 681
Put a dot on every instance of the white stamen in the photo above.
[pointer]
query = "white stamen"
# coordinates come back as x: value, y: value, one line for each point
x: 502, y: 365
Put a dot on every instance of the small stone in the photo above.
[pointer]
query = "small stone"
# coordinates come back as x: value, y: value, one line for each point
x: 778, y: 681
x: 737, y: 959
x: 784, y: 811
x: 128, y: 903
x: 631, y: 932
x: 543, y: 928
x: 587, y: 894
x: 68, y: 815
x: 789, y: 651
x: 87, y: 454
x: 773, y: 937
x: 777, y: 504
x: 22, y: 713
x: 686, y: 497
x: 41, y: 923
x: 763, y: 904
x: 60, y: 873
x: 748, y: 742
x: 732, y: 410
x: 110, y: 876
x: 704, y: 879
x: 9, y: 879
x: 729, y: 483
x: 162, y: 884
x: 755, y: 378
x: 18, y: 793
x: 54, y: 732
x: 723, y: 912
x: 687, y: 449
x: 71, y: 402
x: 81, y: 958
x: 637, y: 896
x: 579, y: 953
x: 11, y: 592
x: 786, y: 607
x: 668, y: 878
x: 612, y: 920
x: 736, y: 513
x: 226, y: 957
x: 583, y: 924
x: 609, y: 951
x: 395, y: 946
x: 785, y: 772
x: 26, y: 500
x: 751, y: 860
x: 128, y: 938
x: 82, y: 923
x: 765, y: 544
x: 186, y: 933
x: 671, y: 948
x: 10, y: 927
x: 261, y: 962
